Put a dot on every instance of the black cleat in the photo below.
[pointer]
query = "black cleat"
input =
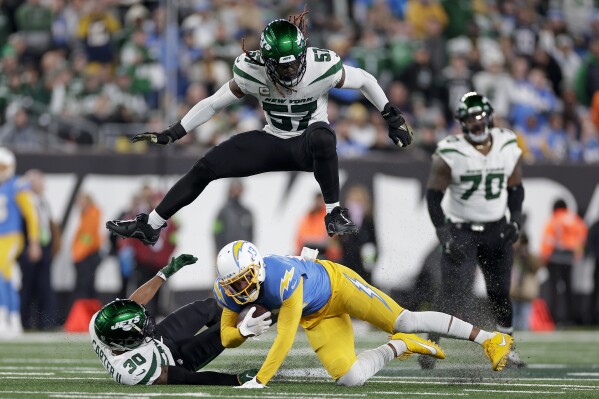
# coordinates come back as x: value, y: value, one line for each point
x: 135, y: 228
x: 338, y: 222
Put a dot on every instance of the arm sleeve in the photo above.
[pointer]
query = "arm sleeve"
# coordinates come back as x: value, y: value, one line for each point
x: 25, y: 203
x: 289, y: 318
x: 435, y: 211
x: 205, y: 109
x: 515, y: 197
x: 356, y: 78
x: 229, y: 333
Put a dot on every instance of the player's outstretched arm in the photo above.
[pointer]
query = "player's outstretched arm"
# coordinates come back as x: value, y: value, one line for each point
x: 146, y: 292
x: 198, y: 115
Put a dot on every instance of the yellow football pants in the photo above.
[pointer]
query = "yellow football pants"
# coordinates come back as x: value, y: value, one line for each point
x: 11, y: 246
x: 330, y: 330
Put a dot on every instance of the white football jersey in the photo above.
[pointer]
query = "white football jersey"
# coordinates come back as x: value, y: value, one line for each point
x: 141, y: 365
x: 478, y: 189
x: 289, y: 114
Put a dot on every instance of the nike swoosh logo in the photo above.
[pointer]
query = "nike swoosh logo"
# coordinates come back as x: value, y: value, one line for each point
x: 430, y: 348
x: 502, y: 340
x: 142, y: 372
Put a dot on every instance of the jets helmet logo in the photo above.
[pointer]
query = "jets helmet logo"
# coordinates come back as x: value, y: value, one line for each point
x: 263, y: 42
x: 126, y: 325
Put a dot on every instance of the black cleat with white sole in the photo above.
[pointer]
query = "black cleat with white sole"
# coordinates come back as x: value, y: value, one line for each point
x: 135, y: 228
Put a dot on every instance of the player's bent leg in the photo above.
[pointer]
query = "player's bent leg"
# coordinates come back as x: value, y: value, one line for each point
x: 332, y: 339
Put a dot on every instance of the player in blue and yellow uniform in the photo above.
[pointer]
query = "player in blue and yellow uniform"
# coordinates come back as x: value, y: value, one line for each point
x: 16, y: 205
x: 321, y: 296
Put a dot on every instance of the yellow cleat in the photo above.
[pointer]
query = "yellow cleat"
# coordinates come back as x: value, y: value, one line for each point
x: 497, y: 349
x: 415, y: 344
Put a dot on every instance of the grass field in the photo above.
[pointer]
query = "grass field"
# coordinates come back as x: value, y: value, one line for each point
x: 562, y: 364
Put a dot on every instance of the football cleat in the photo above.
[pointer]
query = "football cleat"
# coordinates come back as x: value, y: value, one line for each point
x: 498, y: 349
x: 338, y: 222
x: 415, y: 344
x: 135, y: 228
x: 246, y: 376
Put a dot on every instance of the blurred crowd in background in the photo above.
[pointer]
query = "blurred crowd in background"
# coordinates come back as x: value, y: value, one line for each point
x: 92, y: 73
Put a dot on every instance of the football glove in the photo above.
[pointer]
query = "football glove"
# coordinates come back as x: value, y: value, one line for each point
x: 510, y: 232
x: 177, y: 264
x: 165, y: 137
x: 399, y: 131
x: 252, y: 384
x: 254, y: 326
x: 449, y: 246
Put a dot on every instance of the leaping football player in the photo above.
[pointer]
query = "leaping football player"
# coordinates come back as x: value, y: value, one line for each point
x: 291, y: 81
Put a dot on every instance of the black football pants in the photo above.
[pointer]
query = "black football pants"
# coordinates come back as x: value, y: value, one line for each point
x: 495, y: 258
x: 179, y: 329
x: 255, y: 152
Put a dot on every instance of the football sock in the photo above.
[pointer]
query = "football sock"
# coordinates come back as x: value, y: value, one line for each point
x: 369, y: 363
x: 155, y: 221
x: 330, y: 207
x: 432, y: 322
x: 483, y: 336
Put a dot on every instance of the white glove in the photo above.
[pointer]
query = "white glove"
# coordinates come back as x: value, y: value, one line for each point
x: 309, y: 253
x: 254, y: 326
x: 252, y: 384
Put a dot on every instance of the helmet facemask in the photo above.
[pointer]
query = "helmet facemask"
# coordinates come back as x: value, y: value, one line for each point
x: 283, y: 48
x: 243, y: 287
x: 475, y: 115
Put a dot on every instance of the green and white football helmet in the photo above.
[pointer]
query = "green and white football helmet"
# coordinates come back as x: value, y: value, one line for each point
x: 283, y: 48
x: 124, y: 324
x: 475, y: 115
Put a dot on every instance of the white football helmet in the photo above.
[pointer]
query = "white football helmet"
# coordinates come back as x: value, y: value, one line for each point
x: 8, y: 164
x: 241, y: 270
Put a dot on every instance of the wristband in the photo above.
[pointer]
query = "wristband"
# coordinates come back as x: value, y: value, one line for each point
x: 161, y: 275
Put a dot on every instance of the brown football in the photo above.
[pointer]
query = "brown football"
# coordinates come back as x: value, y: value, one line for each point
x: 260, y: 310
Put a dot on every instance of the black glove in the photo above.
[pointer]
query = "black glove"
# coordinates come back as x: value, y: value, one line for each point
x: 165, y: 137
x: 449, y: 245
x: 510, y: 232
x: 399, y: 131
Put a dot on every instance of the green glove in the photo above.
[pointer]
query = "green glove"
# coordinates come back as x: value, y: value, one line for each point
x: 177, y: 264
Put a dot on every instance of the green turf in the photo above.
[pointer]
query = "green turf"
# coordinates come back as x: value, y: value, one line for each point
x: 563, y: 364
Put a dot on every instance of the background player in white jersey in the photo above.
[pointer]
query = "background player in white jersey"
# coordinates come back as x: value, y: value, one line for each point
x: 292, y: 82
x: 136, y: 351
x: 474, y: 179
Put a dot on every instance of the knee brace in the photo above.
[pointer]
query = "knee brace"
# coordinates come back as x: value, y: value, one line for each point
x: 323, y: 143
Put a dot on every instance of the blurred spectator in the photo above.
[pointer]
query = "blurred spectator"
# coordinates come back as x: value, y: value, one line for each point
x: 85, y: 248
x: 311, y: 232
x: 19, y: 214
x: 38, y: 301
x: 97, y: 30
x: 19, y: 133
x: 562, y: 244
x: 494, y: 82
x: 234, y: 221
x: 525, y: 285
x: 34, y: 21
x: 587, y: 78
x: 359, y: 251
x: 419, y: 12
